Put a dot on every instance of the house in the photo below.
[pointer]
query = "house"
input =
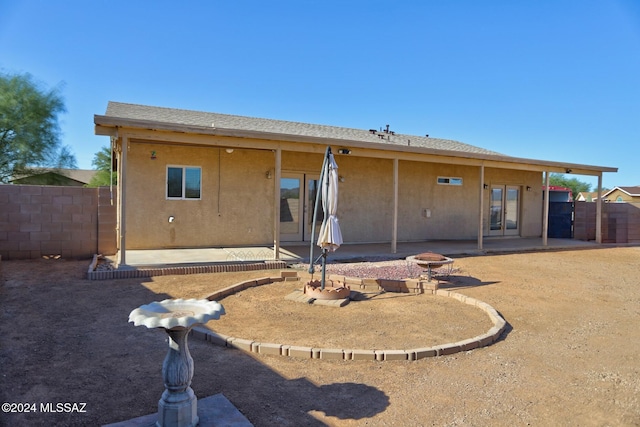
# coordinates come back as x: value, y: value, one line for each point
x: 196, y: 179
x: 587, y: 196
x: 623, y: 194
x: 63, y: 177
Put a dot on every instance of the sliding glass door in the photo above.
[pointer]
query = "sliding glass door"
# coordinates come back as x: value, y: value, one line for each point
x: 297, y: 199
x: 504, y: 210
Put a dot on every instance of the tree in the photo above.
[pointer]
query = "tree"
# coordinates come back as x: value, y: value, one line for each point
x: 29, y: 130
x: 102, y: 163
x: 576, y: 186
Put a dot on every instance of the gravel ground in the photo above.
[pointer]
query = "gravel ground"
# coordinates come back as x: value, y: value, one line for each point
x: 392, y: 270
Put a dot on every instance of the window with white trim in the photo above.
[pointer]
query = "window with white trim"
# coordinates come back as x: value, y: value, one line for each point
x: 448, y: 180
x: 184, y: 182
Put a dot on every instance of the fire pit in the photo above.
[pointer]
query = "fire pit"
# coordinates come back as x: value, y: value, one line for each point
x: 429, y: 261
x: 331, y: 291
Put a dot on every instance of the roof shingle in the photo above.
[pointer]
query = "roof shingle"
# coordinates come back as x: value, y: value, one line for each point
x: 204, y: 119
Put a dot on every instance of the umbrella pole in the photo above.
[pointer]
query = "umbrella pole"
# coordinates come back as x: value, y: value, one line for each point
x: 315, y: 211
x: 324, y: 268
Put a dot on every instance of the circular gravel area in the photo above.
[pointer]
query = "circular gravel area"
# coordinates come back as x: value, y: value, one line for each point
x: 371, y: 267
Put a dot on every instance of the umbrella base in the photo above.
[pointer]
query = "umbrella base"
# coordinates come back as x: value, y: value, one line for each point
x: 334, y: 290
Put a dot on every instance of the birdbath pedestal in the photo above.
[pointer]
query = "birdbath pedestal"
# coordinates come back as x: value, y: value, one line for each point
x: 178, y: 406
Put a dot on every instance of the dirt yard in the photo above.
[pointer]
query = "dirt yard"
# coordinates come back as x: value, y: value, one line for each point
x: 570, y: 355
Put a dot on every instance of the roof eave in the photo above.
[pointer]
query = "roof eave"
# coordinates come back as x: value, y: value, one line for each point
x: 107, y: 125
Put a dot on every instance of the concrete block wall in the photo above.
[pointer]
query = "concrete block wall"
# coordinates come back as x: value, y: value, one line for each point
x: 107, y: 221
x: 633, y: 223
x: 620, y: 222
x: 37, y: 221
x: 584, y: 223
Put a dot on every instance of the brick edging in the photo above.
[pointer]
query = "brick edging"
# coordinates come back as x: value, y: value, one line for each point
x: 483, y: 340
x: 181, y: 270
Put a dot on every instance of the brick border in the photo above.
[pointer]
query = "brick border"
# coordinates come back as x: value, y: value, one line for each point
x: 483, y: 340
x: 169, y: 271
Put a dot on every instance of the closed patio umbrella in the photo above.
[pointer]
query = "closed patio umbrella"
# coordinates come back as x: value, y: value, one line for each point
x: 330, y: 236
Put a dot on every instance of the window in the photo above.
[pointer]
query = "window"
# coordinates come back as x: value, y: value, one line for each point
x: 184, y: 182
x: 445, y: 180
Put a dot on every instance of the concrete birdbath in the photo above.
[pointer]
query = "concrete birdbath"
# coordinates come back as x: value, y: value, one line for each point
x: 178, y: 406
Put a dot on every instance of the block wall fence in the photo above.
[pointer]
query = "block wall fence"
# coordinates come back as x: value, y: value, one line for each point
x: 71, y: 222
x: 77, y: 222
x: 620, y: 222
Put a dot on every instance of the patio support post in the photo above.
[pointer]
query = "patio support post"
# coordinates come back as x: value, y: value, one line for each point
x: 122, y: 187
x: 394, y: 231
x: 545, y: 214
x: 276, y: 204
x: 481, y: 208
x: 599, y: 211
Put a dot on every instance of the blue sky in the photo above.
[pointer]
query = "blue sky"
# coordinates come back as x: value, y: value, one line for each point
x: 545, y: 79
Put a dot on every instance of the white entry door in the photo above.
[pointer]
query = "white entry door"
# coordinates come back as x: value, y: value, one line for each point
x: 504, y: 210
x: 297, y: 199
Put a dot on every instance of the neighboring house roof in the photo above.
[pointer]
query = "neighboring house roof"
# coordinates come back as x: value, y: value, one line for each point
x: 631, y: 191
x: 46, y: 176
x: 81, y: 175
x: 587, y: 196
x: 203, y: 123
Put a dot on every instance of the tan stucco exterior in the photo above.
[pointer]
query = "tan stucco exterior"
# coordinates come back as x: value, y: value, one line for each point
x: 236, y: 205
x: 617, y: 195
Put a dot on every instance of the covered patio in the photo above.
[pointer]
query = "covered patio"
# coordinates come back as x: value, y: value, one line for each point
x: 251, y: 183
x: 299, y: 253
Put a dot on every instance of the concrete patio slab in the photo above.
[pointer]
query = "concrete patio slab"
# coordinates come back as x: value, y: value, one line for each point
x: 299, y: 252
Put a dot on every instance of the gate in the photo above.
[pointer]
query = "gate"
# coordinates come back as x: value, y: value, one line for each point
x: 560, y: 220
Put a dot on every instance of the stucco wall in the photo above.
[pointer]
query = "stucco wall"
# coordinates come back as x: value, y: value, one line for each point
x: 240, y: 214
x: 613, y: 197
x: 426, y: 209
x: 365, y: 206
x: 431, y: 211
x: 237, y: 197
